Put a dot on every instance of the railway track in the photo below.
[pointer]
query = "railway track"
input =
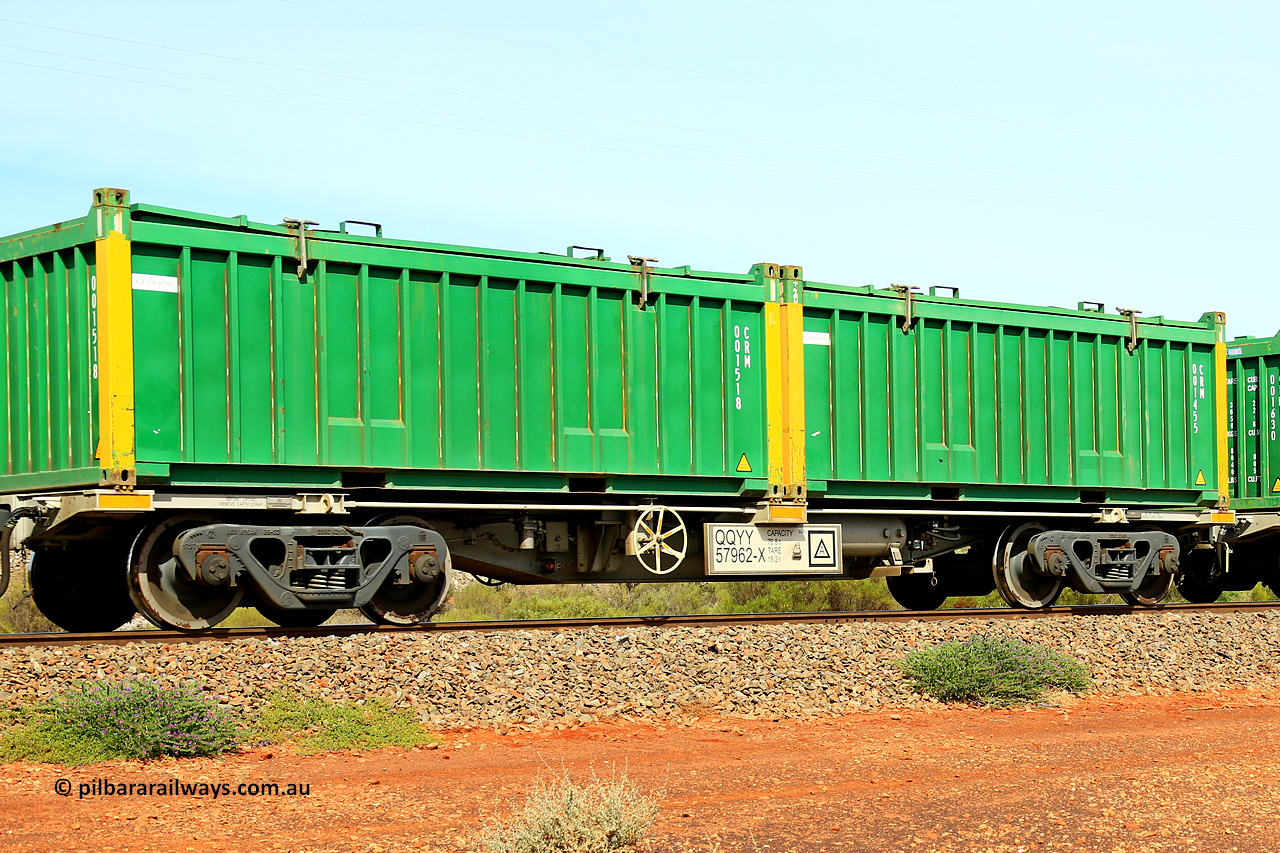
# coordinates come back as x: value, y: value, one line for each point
x: 225, y: 634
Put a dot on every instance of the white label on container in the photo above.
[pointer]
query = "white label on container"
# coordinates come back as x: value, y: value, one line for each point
x: 160, y: 283
x: 772, y: 549
x: 818, y: 339
x: 741, y: 360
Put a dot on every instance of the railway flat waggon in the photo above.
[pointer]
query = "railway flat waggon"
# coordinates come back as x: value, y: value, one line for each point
x: 207, y: 412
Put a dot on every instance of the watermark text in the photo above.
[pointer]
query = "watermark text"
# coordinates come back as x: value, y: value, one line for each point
x: 177, y: 788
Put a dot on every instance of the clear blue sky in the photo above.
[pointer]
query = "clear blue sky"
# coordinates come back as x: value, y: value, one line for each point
x: 1043, y: 152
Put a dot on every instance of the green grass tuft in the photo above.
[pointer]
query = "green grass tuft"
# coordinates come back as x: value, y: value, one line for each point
x: 314, y: 725
x: 561, y: 817
x: 994, y: 671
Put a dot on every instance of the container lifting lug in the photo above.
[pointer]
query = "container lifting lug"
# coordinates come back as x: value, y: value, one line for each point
x: 342, y: 226
x: 908, y: 317
x: 301, y: 225
x: 1131, y: 315
x: 644, y: 270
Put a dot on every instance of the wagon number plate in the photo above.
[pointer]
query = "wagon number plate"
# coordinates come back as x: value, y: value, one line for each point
x: 773, y: 549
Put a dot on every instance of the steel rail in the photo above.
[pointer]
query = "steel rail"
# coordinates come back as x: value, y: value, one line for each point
x: 706, y: 620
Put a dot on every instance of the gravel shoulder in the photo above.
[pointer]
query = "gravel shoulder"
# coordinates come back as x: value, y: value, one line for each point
x: 539, y: 679
x: 1181, y: 772
x: 764, y: 738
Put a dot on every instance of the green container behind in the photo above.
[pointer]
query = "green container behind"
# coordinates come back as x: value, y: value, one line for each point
x: 1253, y: 421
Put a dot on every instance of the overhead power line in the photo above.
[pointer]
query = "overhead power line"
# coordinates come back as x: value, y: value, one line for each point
x: 776, y: 85
x: 607, y: 138
x: 1264, y: 227
x: 630, y: 120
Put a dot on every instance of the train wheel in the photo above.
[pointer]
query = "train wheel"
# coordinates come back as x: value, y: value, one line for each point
x: 311, y: 617
x: 81, y: 588
x: 1153, y: 590
x: 407, y: 604
x: 917, y: 591
x: 1200, y: 580
x: 160, y: 589
x: 1011, y: 568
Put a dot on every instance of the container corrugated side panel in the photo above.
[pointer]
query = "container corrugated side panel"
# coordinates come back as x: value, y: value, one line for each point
x: 1253, y: 422
x: 416, y: 361
x: 47, y: 390
x: 1005, y: 403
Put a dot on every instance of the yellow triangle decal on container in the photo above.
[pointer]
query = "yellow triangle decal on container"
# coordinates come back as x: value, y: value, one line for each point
x: 1276, y: 487
x: 744, y: 467
x: 1200, y: 480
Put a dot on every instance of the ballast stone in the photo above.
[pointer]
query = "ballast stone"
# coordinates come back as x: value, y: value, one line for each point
x: 532, y: 678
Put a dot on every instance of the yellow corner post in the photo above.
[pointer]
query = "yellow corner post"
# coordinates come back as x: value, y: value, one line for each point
x: 1220, y: 393
x: 791, y: 314
x: 774, y: 407
x: 111, y: 304
x: 784, y: 391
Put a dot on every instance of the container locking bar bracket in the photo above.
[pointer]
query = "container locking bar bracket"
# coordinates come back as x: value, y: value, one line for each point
x: 643, y: 268
x: 301, y: 225
x: 1131, y: 315
x: 908, y: 317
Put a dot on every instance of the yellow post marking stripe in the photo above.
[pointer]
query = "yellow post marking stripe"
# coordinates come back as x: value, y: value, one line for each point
x: 124, y: 500
x: 116, y: 447
x: 773, y: 374
x: 1220, y: 361
x: 793, y: 472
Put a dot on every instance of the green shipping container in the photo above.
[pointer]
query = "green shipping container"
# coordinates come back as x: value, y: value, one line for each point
x: 377, y: 362
x: 945, y: 399
x: 1253, y: 422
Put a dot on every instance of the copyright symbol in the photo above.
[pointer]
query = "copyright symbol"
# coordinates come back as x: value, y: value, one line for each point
x: 62, y: 787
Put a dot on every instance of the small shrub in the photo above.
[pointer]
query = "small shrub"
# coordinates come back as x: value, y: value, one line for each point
x: 800, y: 596
x: 561, y: 817
x: 134, y: 719
x: 993, y: 671
x: 314, y: 725
x: 18, y: 613
x: 475, y: 602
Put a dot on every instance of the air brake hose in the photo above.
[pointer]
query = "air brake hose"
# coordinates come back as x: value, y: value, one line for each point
x: 6, y: 535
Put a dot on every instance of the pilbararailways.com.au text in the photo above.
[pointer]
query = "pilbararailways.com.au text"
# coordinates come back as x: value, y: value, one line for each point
x: 178, y: 788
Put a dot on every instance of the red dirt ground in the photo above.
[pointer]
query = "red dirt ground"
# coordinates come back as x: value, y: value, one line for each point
x: 1194, y: 772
